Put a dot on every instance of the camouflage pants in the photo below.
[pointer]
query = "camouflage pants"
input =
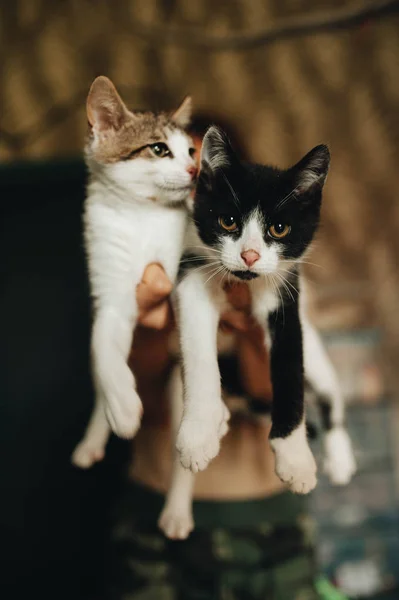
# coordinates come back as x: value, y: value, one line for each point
x: 250, y: 550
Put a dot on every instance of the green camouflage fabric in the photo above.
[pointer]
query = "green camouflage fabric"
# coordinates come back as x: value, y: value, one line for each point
x: 272, y: 560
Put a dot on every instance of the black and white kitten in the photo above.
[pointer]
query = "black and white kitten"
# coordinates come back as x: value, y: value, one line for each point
x: 255, y: 223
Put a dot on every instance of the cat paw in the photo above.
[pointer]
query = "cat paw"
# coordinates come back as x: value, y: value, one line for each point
x: 198, y: 442
x: 177, y: 524
x: 295, y: 464
x: 224, y: 425
x: 87, y: 453
x: 124, y: 412
x: 339, y: 463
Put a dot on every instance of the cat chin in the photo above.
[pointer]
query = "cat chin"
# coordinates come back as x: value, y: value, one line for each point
x: 177, y: 196
x: 180, y: 203
x: 173, y: 201
x: 245, y: 275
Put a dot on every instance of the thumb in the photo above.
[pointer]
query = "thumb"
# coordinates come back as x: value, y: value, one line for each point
x: 154, y: 287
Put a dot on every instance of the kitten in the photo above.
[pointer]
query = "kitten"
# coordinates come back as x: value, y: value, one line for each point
x: 141, y: 172
x: 254, y: 223
x: 176, y: 519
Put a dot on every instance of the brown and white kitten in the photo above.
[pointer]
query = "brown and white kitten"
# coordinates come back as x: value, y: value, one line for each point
x: 141, y: 172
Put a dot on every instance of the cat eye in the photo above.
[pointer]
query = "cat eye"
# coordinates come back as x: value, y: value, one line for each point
x: 192, y: 152
x: 160, y: 149
x: 228, y: 223
x: 279, y: 230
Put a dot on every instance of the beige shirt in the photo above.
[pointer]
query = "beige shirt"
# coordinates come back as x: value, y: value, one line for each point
x: 244, y: 468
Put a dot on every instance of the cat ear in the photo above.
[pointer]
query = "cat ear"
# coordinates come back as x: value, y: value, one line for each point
x: 105, y: 108
x: 311, y: 170
x: 216, y: 150
x: 182, y: 116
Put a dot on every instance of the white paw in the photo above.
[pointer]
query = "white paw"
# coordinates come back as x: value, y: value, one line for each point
x: 295, y: 464
x: 175, y: 522
x: 299, y: 472
x: 198, y: 442
x: 123, y: 406
x: 87, y: 453
x: 339, y: 462
x: 224, y: 425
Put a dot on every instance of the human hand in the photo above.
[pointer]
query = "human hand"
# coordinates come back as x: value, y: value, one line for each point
x: 150, y: 357
x: 155, y: 312
x: 152, y: 296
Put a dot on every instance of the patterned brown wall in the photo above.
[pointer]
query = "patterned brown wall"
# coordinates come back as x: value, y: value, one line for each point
x: 339, y: 87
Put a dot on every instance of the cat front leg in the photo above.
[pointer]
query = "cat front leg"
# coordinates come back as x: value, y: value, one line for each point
x: 91, y: 448
x: 295, y: 464
x: 205, y: 415
x: 111, y: 342
x: 339, y: 460
x: 176, y: 520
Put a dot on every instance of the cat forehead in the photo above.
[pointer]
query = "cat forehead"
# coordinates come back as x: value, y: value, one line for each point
x: 252, y: 187
x: 178, y: 141
x: 138, y: 131
x: 261, y: 178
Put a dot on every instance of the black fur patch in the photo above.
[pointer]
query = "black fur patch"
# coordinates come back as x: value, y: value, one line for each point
x: 245, y: 275
x: 286, y: 363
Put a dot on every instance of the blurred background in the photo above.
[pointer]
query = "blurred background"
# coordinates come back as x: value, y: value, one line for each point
x: 287, y: 74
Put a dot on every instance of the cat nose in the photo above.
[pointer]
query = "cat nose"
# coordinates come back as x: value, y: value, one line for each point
x: 250, y: 257
x: 192, y: 171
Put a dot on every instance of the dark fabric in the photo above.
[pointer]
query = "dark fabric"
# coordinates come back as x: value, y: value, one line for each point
x: 250, y: 550
x: 52, y: 525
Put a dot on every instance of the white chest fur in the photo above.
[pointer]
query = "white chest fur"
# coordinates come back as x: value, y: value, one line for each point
x: 123, y: 234
x: 264, y: 300
x: 122, y: 238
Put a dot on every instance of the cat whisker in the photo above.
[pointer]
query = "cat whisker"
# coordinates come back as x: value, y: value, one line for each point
x: 219, y: 270
x: 285, y: 199
x: 289, y: 271
x: 303, y: 262
x: 307, y: 262
x: 207, y: 266
x: 283, y: 282
x: 210, y: 249
x: 285, y: 286
x: 226, y: 272
x: 288, y: 282
x: 194, y: 258
x: 211, y: 271
x: 276, y: 288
